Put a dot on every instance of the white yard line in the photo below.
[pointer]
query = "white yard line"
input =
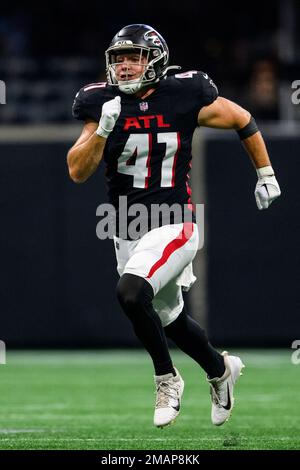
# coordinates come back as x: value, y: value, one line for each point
x: 20, y: 431
x: 175, y: 439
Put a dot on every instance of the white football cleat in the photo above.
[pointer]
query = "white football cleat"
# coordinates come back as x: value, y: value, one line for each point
x: 169, y: 390
x: 221, y: 389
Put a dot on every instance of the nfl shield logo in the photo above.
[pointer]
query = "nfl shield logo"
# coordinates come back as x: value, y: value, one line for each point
x: 144, y: 106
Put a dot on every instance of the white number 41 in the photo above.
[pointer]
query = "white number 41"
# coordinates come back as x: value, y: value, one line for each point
x: 140, y: 147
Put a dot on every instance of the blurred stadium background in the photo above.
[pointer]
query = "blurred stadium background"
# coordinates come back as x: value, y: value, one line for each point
x: 58, y: 280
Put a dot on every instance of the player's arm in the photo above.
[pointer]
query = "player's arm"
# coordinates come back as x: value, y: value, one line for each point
x: 85, y: 155
x: 224, y: 114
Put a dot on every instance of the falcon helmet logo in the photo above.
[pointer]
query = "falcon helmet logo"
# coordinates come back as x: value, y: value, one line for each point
x: 152, y: 36
x: 144, y: 106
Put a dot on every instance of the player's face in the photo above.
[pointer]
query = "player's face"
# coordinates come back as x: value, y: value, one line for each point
x: 129, y: 66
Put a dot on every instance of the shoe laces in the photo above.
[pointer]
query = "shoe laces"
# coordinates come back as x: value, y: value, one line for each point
x: 165, y: 390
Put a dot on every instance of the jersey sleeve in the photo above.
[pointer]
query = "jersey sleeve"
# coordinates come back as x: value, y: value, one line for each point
x: 88, y: 103
x: 199, y: 88
x: 210, y: 91
x: 205, y: 90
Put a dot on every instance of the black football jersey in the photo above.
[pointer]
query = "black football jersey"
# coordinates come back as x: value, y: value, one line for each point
x: 148, y: 153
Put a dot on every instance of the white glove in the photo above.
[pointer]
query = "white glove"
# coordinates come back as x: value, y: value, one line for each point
x: 267, y: 188
x: 110, y: 113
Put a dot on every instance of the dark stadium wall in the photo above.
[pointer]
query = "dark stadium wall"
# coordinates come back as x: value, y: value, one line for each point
x: 58, y: 280
x: 253, y: 270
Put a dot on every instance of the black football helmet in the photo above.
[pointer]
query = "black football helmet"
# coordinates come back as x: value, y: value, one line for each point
x: 147, y: 42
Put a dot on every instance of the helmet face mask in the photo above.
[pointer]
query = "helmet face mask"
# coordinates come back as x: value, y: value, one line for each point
x: 146, y: 42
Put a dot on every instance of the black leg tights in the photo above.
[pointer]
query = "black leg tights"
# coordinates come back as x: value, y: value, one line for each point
x: 191, y: 339
x: 135, y: 296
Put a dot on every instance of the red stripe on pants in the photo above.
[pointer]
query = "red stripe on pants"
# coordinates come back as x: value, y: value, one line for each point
x: 174, y: 245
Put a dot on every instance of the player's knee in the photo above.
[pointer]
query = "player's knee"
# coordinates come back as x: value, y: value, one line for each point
x: 133, y: 292
x: 179, y: 325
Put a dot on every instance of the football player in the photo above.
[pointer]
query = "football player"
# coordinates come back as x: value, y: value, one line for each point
x: 141, y: 123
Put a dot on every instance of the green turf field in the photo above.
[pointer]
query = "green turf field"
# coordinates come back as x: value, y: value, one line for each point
x: 104, y: 400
